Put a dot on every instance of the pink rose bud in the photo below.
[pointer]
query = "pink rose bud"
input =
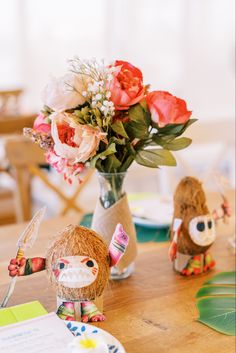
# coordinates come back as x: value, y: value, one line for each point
x: 167, y: 109
x: 40, y: 124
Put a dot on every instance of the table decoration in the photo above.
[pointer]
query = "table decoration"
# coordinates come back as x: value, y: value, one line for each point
x: 124, y: 308
x: 216, y: 303
x: 78, y: 263
x: 103, y: 116
x: 93, y: 336
x: 193, y: 228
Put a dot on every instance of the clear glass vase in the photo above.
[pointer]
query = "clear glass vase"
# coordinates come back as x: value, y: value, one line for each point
x: 111, y: 188
x: 111, y: 191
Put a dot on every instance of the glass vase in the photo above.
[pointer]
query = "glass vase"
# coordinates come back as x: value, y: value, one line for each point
x: 112, y: 208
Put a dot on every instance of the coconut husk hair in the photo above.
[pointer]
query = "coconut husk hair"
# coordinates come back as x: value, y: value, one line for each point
x: 189, y: 196
x: 189, y: 202
x: 79, y: 241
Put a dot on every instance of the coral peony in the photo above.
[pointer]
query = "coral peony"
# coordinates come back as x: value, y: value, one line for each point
x: 126, y: 87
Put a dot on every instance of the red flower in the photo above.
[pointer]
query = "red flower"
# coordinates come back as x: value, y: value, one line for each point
x: 126, y: 86
x: 167, y: 109
x: 66, y: 134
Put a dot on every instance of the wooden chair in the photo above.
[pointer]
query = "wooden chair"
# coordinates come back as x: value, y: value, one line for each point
x: 9, y: 102
x: 25, y: 158
x: 7, y: 214
x: 15, y: 124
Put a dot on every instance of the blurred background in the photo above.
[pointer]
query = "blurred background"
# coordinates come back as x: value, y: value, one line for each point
x: 184, y: 47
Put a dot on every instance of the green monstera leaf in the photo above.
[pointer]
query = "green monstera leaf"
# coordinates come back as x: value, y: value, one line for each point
x: 217, y: 303
x: 223, y: 278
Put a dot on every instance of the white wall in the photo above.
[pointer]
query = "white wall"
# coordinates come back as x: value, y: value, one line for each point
x: 184, y: 46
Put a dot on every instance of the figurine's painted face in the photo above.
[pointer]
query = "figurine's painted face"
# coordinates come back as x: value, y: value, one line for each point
x: 202, y: 230
x: 75, y: 271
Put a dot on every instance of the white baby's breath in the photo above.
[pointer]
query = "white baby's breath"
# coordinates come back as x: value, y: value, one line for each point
x: 98, y: 96
x: 99, y: 74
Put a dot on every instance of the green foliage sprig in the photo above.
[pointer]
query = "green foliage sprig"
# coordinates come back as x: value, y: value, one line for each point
x: 135, y: 138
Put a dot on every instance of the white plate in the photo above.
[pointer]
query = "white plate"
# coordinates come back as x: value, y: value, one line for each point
x: 139, y: 221
x: 151, y: 210
x: 78, y: 328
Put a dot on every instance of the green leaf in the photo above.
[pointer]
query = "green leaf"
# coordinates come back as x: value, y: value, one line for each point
x: 161, y: 140
x: 218, y: 308
x: 118, y: 127
x: 136, y: 112
x: 99, y: 166
x: 175, y: 129
x: 218, y: 313
x: 117, y: 140
x: 112, y: 163
x: 207, y: 291
x: 127, y: 163
x: 223, y: 278
x: 144, y: 105
x: 153, y: 158
x: 139, y: 122
x: 110, y: 150
x: 178, y: 144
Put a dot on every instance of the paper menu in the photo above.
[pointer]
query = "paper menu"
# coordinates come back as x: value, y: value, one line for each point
x: 44, y: 334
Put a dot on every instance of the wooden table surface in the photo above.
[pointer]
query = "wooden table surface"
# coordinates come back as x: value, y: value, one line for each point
x: 151, y: 312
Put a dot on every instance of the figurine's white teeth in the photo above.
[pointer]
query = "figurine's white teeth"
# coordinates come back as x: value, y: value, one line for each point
x: 76, y: 278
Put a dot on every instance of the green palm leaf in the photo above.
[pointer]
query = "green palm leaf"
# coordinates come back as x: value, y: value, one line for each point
x: 217, y: 303
x: 223, y: 278
x: 206, y: 291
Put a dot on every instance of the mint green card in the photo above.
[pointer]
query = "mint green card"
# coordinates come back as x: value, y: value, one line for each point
x: 21, y: 312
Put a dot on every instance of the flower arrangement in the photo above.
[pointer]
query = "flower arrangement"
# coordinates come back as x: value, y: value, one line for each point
x: 103, y: 116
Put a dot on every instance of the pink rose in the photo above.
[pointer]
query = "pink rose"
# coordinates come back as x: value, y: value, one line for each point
x: 126, y: 87
x: 167, y: 109
x: 40, y: 124
x: 77, y: 143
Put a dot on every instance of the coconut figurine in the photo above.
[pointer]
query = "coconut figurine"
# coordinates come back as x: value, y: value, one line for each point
x: 193, y: 228
x: 78, y: 264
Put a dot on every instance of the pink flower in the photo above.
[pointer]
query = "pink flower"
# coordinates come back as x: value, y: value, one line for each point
x: 63, y: 165
x: 77, y: 143
x: 167, y: 109
x: 126, y: 87
x: 41, y: 125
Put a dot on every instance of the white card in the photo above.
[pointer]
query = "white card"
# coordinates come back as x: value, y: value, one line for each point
x: 43, y: 334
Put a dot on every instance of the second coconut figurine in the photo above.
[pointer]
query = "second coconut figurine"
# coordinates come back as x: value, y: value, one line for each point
x: 193, y: 228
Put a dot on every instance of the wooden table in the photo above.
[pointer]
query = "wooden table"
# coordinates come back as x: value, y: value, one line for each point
x: 151, y: 312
